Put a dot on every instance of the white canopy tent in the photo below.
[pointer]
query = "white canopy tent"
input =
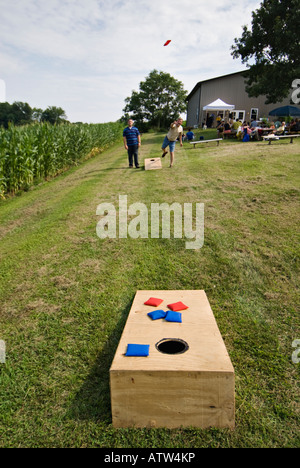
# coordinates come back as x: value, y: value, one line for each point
x: 218, y: 105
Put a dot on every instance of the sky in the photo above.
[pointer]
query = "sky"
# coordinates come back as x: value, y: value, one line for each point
x: 87, y: 56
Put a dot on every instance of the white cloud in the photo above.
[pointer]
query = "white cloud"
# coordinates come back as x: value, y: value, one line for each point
x: 88, y: 55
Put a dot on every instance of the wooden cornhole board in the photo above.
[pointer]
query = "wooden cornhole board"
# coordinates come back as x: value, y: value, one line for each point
x: 195, y: 388
x: 154, y: 163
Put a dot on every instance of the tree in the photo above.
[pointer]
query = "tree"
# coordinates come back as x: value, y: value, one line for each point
x: 54, y: 115
x: 6, y: 114
x: 37, y: 114
x: 274, y: 45
x: 160, y: 100
x: 22, y: 113
x: 18, y: 113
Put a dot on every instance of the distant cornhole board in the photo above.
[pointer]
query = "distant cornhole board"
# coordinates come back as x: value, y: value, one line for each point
x: 187, y: 378
x: 154, y: 163
x: 2, y: 352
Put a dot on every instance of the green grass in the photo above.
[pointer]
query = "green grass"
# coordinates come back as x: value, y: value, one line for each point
x: 65, y: 294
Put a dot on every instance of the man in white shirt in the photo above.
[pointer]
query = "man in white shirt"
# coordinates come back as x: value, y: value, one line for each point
x: 174, y: 132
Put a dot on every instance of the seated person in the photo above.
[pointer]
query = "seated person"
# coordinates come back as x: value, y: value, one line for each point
x: 280, y: 130
x: 297, y: 126
x: 190, y: 135
x: 277, y: 124
x: 258, y: 131
x: 227, y: 129
x: 220, y: 127
x: 236, y: 126
x: 294, y: 126
x: 218, y: 119
x: 290, y: 126
x: 240, y: 133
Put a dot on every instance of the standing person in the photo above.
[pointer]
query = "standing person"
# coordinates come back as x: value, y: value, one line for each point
x: 132, y: 142
x: 173, y: 134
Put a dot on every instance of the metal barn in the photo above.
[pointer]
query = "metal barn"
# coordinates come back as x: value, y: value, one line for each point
x: 230, y: 89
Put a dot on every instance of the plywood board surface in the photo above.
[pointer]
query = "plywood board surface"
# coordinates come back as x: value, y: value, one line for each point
x: 199, y: 329
x: 151, y: 164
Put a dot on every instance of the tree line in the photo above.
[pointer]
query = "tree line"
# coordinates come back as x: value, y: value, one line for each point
x: 20, y: 113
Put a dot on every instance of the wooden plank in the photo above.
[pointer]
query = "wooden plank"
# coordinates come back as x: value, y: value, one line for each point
x: 206, y: 141
x: 289, y: 136
x: 195, y: 388
x: 151, y: 164
x: 174, y: 399
x: 280, y: 137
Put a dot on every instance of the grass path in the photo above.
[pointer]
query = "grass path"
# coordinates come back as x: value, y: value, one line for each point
x: 65, y: 294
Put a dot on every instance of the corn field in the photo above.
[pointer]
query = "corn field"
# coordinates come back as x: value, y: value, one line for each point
x: 40, y: 151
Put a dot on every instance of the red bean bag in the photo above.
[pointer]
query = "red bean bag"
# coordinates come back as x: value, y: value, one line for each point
x: 153, y: 301
x: 177, y: 306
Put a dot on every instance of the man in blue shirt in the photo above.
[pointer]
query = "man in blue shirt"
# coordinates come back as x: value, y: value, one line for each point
x: 190, y: 135
x: 132, y: 142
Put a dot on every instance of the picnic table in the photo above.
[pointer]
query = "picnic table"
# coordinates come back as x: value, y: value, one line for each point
x: 260, y: 132
x: 265, y: 131
x: 229, y: 134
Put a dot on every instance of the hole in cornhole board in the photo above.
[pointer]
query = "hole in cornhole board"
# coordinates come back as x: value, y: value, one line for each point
x: 172, y: 346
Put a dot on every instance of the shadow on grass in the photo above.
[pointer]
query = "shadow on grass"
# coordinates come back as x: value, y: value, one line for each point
x: 92, y: 402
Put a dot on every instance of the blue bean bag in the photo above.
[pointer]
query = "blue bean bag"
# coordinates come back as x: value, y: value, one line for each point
x: 157, y: 314
x: 173, y: 316
x: 137, y: 350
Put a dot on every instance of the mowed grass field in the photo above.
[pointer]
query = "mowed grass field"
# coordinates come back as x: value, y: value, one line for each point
x: 65, y: 294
